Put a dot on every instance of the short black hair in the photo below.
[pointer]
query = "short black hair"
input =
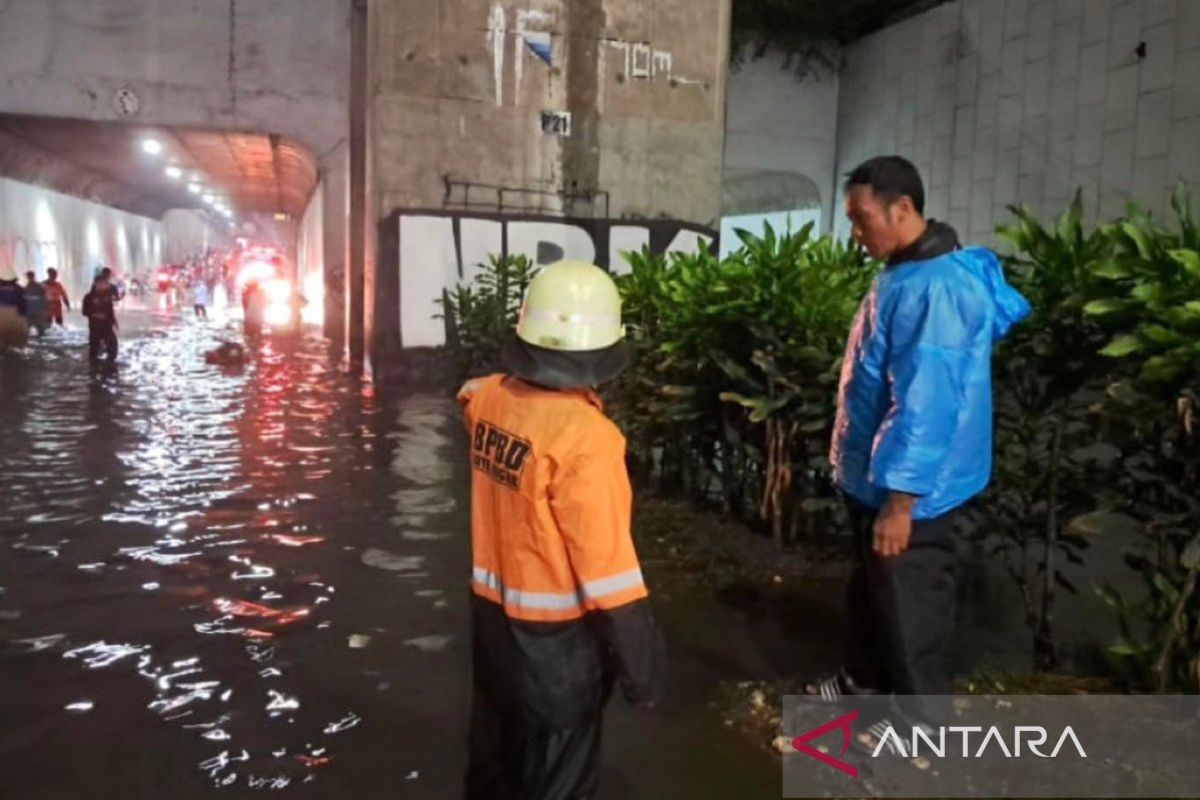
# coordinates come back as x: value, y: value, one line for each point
x: 890, y: 177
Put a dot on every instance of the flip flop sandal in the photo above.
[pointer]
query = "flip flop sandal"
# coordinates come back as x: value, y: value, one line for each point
x: 833, y: 688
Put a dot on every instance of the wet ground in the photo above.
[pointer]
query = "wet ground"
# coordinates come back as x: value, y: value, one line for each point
x: 221, y: 582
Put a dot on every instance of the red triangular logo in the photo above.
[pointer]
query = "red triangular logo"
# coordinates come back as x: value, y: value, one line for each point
x: 800, y: 743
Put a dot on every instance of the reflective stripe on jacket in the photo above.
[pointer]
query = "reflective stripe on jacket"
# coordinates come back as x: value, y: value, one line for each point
x: 551, y: 502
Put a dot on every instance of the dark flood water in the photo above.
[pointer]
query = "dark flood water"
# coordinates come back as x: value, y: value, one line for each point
x: 222, y: 582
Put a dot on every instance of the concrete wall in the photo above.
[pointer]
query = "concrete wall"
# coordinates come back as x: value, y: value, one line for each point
x: 258, y: 65
x: 335, y: 206
x: 41, y: 229
x: 310, y: 257
x: 187, y: 233
x: 1023, y: 100
x: 459, y: 91
x: 460, y: 88
x: 780, y: 134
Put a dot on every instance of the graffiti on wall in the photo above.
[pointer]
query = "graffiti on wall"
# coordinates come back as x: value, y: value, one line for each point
x: 640, y: 61
x: 437, y: 250
x: 531, y: 39
x: 22, y: 254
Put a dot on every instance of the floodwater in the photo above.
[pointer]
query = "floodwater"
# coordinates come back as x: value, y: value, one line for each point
x: 222, y: 582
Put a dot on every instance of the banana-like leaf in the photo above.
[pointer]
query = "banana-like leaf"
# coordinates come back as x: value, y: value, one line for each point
x: 1122, y: 346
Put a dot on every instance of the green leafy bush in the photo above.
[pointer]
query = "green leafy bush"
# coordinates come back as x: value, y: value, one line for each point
x: 730, y: 401
x: 1048, y: 375
x: 1148, y: 299
x: 735, y: 384
x: 480, y: 316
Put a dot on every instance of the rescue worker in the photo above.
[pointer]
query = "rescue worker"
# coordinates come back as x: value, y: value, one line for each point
x: 912, y: 437
x: 559, y: 606
x: 254, y: 308
x: 35, y: 297
x: 14, y: 328
x: 56, y: 297
x: 98, y: 307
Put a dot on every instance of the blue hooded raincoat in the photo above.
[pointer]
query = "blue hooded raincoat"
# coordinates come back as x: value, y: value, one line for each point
x: 915, y: 398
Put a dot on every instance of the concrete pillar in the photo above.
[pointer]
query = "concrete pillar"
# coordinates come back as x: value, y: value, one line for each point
x: 335, y: 178
x: 356, y: 266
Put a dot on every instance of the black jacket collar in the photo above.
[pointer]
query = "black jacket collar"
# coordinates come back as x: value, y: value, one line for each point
x: 937, y: 240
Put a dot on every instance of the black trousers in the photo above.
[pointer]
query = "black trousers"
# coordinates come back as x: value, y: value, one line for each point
x: 900, y: 613
x: 510, y: 759
x: 537, y: 709
x: 102, y: 336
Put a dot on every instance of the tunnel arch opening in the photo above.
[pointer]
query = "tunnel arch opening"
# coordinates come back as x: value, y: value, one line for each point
x: 76, y: 194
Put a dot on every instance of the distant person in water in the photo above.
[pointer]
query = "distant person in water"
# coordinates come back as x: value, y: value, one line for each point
x: 56, y: 297
x: 98, y: 307
x: 35, y: 299
x: 14, y: 328
x: 200, y: 298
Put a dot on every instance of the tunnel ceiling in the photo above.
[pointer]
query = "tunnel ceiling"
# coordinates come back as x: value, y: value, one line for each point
x: 105, y: 162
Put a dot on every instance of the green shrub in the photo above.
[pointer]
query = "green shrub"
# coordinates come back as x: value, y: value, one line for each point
x: 480, y: 316
x: 735, y: 384
x: 1148, y: 299
x: 731, y: 395
x: 1048, y: 375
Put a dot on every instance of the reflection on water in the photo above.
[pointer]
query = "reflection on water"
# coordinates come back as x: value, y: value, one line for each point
x: 160, y: 523
x: 222, y: 582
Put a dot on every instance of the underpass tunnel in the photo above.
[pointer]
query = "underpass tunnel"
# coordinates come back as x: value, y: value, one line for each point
x: 76, y: 195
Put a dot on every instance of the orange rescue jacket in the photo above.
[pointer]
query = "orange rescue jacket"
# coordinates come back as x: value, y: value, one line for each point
x: 551, y: 502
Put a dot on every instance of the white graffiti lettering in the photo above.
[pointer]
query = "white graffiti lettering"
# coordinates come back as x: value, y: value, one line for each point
x: 439, y: 250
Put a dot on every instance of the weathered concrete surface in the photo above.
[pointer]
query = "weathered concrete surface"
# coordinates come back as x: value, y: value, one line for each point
x: 460, y: 92
x: 460, y: 89
x: 258, y: 65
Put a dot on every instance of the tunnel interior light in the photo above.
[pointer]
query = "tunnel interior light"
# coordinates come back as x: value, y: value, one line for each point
x: 280, y: 216
x: 210, y: 199
x: 175, y: 173
x: 152, y: 147
x: 194, y: 188
x: 197, y: 177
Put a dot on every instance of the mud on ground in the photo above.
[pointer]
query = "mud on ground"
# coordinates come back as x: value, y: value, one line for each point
x: 769, y: 618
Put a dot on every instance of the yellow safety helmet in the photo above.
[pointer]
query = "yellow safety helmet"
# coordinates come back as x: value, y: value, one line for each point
x: 569, y: 334
x: 571, y: 306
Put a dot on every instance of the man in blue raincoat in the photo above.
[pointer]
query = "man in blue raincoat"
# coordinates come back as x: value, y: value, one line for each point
x: 912, y: 439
